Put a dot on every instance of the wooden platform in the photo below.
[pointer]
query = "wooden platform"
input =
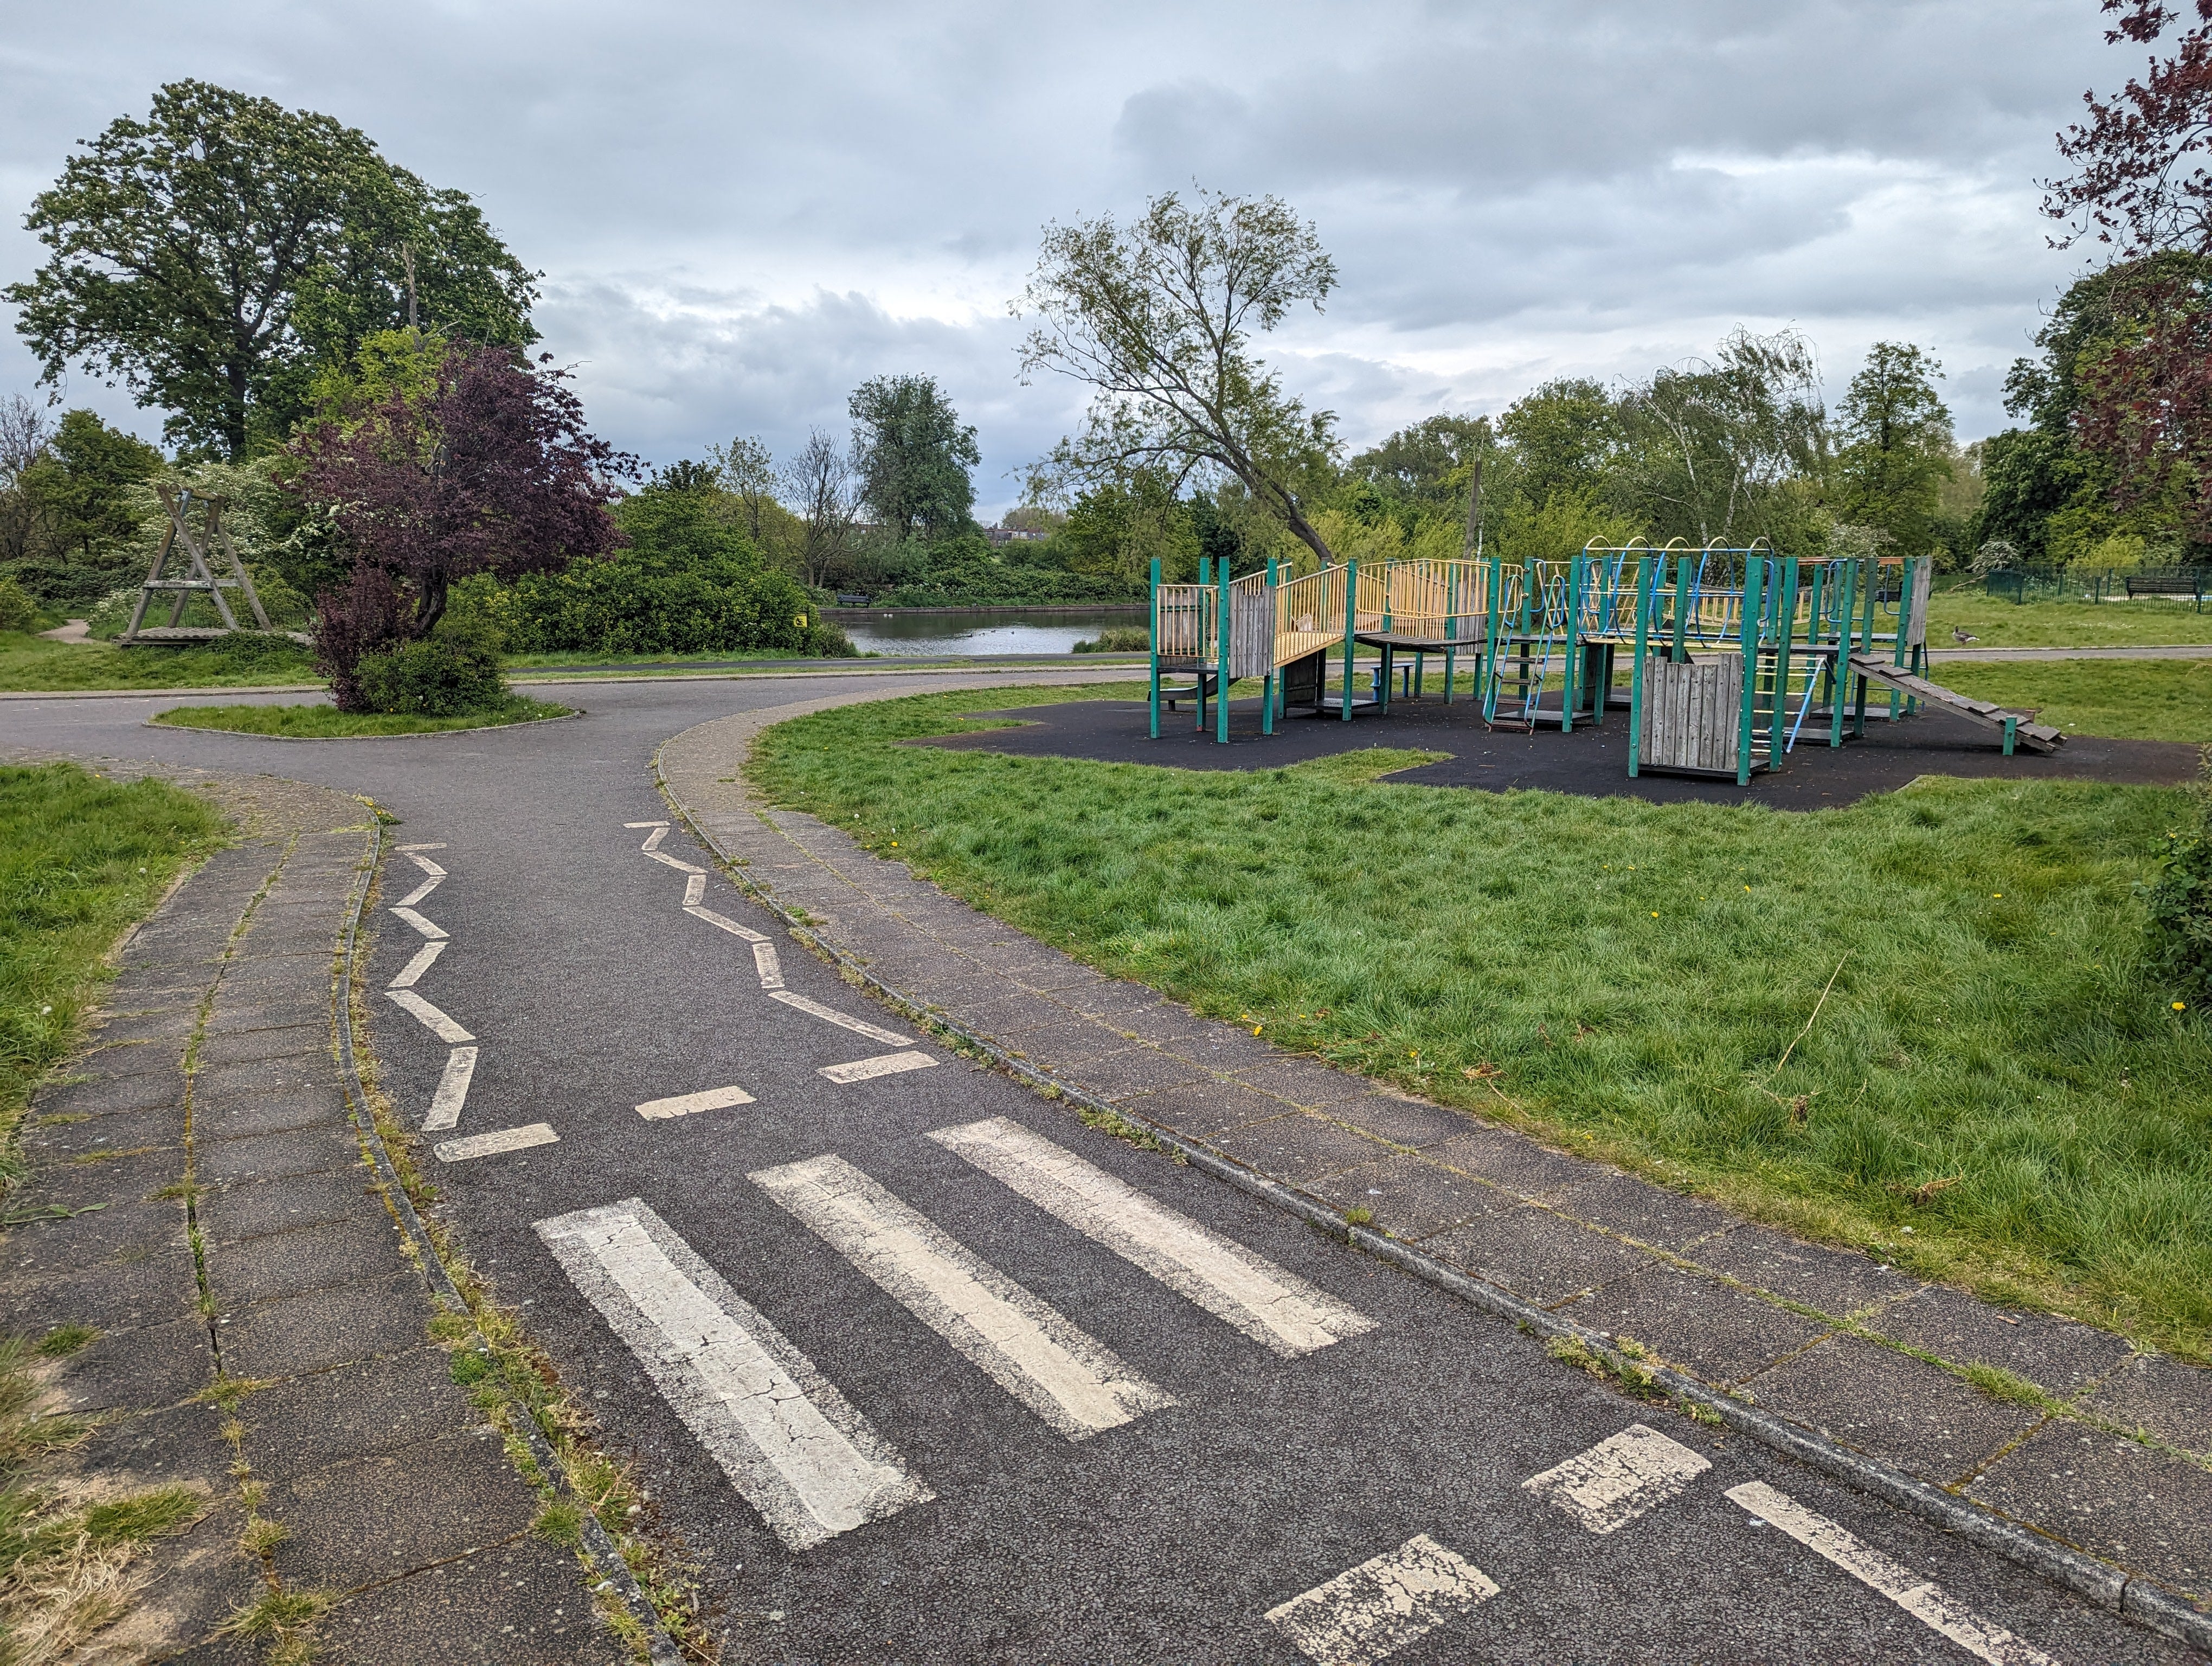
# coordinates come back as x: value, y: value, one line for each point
x: 2037, y: 737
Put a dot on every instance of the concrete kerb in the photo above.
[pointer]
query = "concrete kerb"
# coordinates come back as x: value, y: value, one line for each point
x: 660, y: 1646
x: 2110, y: 1587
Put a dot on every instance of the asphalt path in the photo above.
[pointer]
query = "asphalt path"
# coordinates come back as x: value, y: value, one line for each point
x: 907, y: 1399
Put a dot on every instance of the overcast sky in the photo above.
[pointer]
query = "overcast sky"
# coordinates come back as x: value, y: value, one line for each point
x: 741, y: 211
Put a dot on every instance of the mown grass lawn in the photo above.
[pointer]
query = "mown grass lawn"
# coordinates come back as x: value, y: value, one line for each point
x: 32, y: 664
x: 2149, y: 622
x: 80, y: 860
x: 2125, y: 699
x: 328, y: 723
x: 1993, y: 1092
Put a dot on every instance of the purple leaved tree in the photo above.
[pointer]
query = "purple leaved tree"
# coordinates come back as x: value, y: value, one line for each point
x: 489, y: 468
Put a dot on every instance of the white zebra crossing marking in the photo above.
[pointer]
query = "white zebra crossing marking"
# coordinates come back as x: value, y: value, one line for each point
x: 421, y: 964
x: 496, y: 1143
x: 1617, y: 1479
x: 1369, y: 1613
x: 793, y: 1446
x: 427, y: 927
x: 1276, y: 1309
x: 452, y: 1090
x: 1922, y: 1598
x: 831, y: 1015
x: 1067, y: 1377
x: 884, y: 1064
x: 689, y: 1105
x: 436, y: 1022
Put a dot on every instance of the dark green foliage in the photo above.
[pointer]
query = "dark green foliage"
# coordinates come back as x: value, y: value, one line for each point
x: 1897, y: 446
x: 689, y: 582
x: 215, y: 253
x: 453, y: 670
x: 1429, y: 462
x: 2180, y: 904
x: 18, y: 611
x: 913, y: 455
x: 966, y: 571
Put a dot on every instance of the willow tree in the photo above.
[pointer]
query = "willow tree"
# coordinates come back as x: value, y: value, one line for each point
x: 1159, y: 318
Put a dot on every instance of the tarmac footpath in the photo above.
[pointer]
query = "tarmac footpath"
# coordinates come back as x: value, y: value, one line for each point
x: 199, y: 1196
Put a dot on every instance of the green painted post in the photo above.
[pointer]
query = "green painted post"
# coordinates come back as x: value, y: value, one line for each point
x: 1679, y: 653
x: 1873, y: 566
x: 1785, y: 627
x: 1839, y: 692
x: 1155, y: 648
x: 1570, y: 683
x: 1269, y: 681
x: 1754, y: 572
x: 1646, y: 595
x: 1489, y: 660
x: 1222, y: 660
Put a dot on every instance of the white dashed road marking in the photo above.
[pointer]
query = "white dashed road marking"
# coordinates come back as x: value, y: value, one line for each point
x: 688, y: 1104
x: 427, y: 927
x: 642, y: 824
x: 884, y: 1064
x: 726, y: 924
x: 421, y: 891
x: 1276, y: 1309
x: 831, y: 1015
x: 493, y: 1144
x: 1369, y: 1613
x: 765, y: 963
x: 1921, y: 1598
x: 652, y: 839
x: 438, y: 1024
x: 694, y: 890
x: 1067, y: 1377
x: 793, y: 1446
x: 452, y: 1090
x: 410, y: 849
x: 1617, y: 1479
x: 421, y: 964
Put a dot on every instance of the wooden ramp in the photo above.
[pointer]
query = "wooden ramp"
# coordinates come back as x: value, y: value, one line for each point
x: 2037, y: 737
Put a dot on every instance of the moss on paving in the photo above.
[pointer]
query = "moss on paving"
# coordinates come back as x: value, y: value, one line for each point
x: 1993, y: 1091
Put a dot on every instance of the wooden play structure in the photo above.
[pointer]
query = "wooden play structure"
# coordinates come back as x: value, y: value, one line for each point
x: 196, y: 573
x: 1734, y: 652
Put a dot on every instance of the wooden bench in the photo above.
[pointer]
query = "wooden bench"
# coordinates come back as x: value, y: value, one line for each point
x: 2188, y: 582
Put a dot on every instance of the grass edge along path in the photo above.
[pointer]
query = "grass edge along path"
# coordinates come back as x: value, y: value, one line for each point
x: 1919, y: 1026
x: 82, y: 861
x: 326, y: 722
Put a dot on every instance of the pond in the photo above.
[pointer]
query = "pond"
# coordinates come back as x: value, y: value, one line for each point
x: 983, y: 630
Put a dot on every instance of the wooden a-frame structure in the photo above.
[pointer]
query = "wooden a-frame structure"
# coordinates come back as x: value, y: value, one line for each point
x: 197, y: 574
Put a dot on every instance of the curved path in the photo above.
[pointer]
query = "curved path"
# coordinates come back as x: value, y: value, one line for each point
x: 922, y: 1367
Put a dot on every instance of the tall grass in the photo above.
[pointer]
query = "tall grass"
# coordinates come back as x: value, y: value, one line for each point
x: 1993, y: 1091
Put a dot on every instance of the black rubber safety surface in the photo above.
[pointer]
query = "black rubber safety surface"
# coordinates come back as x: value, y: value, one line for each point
x: 1591, y: 762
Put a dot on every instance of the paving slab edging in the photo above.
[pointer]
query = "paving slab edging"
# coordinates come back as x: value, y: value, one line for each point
x: 2110, y: 1587
x: 660, y: 1647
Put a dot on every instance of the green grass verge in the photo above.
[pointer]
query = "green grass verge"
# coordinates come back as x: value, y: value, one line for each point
x: 30, y: 664
x: 2150, y: 622
x: 328, y: 722
x: 1991, y: 1091
x: 80, y: 860
x: 2126, y: 699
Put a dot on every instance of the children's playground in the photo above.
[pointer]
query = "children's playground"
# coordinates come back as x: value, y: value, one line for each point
x: 1674, y: 673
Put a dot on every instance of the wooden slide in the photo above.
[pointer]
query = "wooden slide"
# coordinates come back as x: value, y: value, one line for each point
x: 2037, y: 737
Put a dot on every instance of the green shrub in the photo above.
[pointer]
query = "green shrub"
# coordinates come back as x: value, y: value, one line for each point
x: 1118, y: 639
x: 17, y: 611
x: 453, y: 671
x: 2181, y: 906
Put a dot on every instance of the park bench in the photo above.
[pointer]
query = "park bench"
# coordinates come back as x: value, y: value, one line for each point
x: 2183, y: 581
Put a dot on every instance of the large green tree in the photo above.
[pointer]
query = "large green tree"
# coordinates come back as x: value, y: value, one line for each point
x: 912, y: 456
x: 214, y: 255
x: 1897, y: 445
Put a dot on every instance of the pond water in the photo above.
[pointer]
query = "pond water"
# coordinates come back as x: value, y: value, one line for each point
x: 986, y: 630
